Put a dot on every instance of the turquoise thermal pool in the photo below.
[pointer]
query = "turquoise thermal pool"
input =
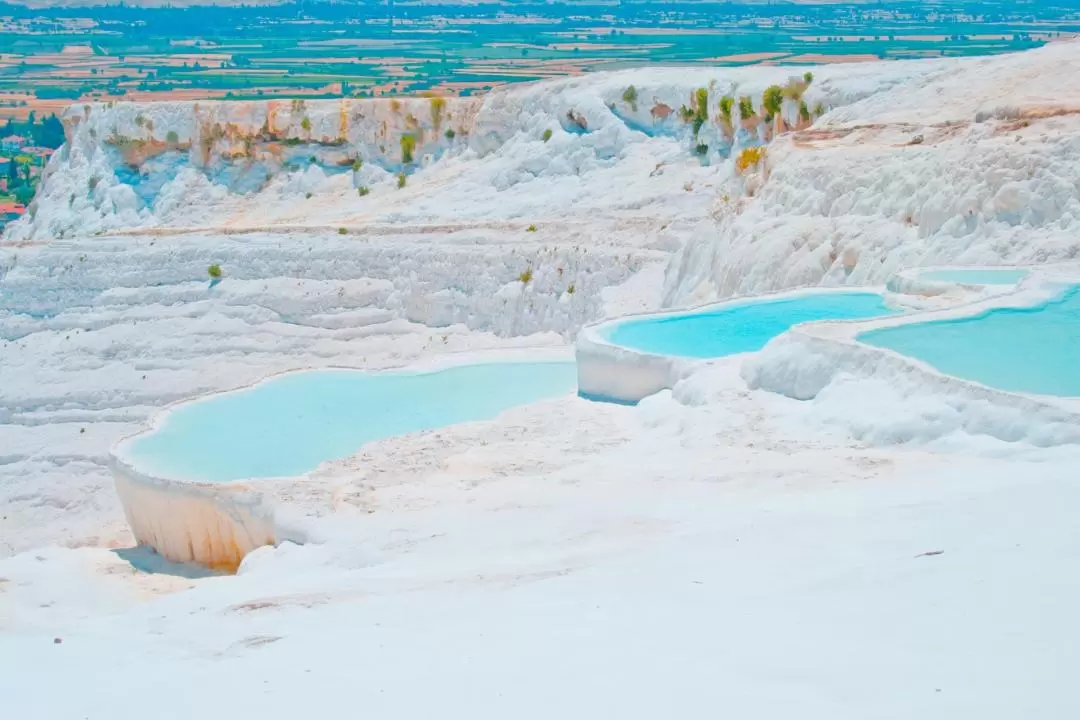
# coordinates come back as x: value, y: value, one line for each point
x: 743, y: 326
x: 1031, y: 350
x: 289, y: 424
x: 981, y: 276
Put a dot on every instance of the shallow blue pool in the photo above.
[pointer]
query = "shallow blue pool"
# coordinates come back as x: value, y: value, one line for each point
x: 291, y: 423
x: 744, y: 326
x: 1031, y: 350
x: 981, y: 276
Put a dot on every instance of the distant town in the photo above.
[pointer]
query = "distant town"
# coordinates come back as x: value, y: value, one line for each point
x: 25, y: 148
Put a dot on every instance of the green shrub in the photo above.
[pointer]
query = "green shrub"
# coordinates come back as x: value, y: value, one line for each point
x: 794, y: 90
x: 172, y: 138
x: 438, y: 106
x: 214, y: 271
x: 401, y: 180
x: 91, y: 183
x: 342, y: 231
x: 699, y: 113
x: 804, y: 112
x: 408, y: 147
x: 531, y: 228
x: 362, y: 190
x: 450, y: 134
x: 630, y: 96
x: 701, y: 149
x: 547, y: 135
x: 306, y: 124
x: 772, y: 100
x: 570, y: 290
x: 746, y: 107
x: 525, y: 276
x: 726, y: 104
x: 808, y: 77
x: 701, y: 109
x: 819, y: 109
x: 357, y: 164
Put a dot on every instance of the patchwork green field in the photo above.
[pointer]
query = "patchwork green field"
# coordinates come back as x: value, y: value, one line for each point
x: 52, y: 56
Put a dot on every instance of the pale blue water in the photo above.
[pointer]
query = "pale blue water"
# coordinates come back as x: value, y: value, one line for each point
x: 982, y: 276
x: 1033, y: 350
x: 743, y: 327
x: 290, y: 424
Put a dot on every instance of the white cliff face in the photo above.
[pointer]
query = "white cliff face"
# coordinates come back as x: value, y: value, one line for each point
x: 928, y: 162
x: 572, y: 147
x: 129, y: 165
x: 975, y: 164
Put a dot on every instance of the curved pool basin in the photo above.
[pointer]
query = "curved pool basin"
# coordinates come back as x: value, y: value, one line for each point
x: 1029, y: 350
x: 976, y: 276
x: 628, y: 359
x: 291, y: 423
x: 181, y: 482
x: 740, y: 326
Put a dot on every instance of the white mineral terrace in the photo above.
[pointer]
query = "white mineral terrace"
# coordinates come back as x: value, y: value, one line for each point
x: 802, y: 361
x: 805, y: 361
x: 213, y: 524
x: 611, y: 372
x: 821, y: 529
x: 920, y: 281
x: 217, y: 523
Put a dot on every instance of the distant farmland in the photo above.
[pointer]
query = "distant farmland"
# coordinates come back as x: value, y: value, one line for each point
x: 53, y: 56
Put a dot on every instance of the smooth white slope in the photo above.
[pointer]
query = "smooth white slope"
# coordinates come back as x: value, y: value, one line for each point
x: 720, y: 558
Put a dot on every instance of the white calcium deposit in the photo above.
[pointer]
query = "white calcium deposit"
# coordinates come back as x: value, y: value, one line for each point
x: 876, y: 546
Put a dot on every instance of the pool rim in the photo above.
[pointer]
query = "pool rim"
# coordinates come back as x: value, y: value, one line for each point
x: 621, y: 374
x: 1042, y: 286
x: 910, y: 281
x: 592, y: 330
x: 1032, y: 298
x: 423, y: 366
x: 218, y: 524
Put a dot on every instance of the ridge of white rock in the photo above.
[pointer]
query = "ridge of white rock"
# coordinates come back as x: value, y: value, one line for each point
x: 231, y: 164
x: 951, y: 161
